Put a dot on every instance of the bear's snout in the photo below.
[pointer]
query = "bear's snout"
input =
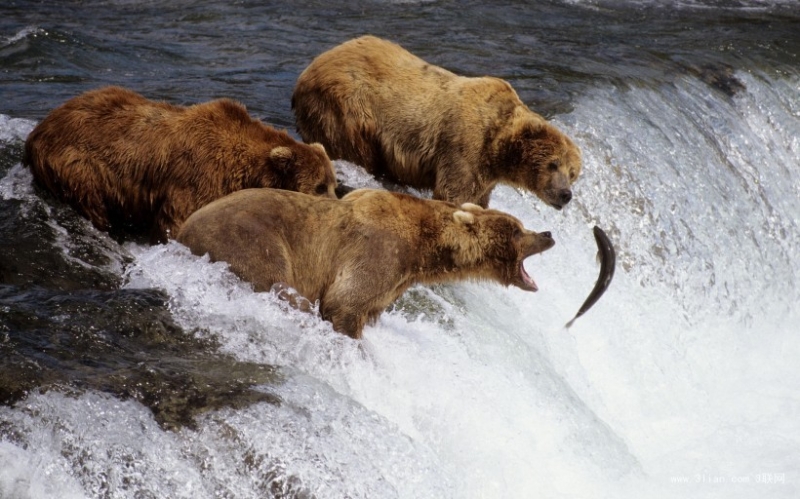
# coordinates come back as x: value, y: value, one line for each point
x: 536, y: 242
x: 565, y: 196
x: 546, y: 241
x: 557, y: 196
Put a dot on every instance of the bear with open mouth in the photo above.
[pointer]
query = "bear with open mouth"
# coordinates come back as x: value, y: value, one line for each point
x: 357, y: 255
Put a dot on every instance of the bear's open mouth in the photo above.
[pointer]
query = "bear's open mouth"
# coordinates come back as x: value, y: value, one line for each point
x: 527, y: 282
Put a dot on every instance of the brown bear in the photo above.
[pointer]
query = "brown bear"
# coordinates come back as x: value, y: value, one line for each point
x: 371, y: 102
x: 359, y: 254
x: 136, y: 166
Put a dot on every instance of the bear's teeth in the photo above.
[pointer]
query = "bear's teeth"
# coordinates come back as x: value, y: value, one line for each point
x: 529, y: 283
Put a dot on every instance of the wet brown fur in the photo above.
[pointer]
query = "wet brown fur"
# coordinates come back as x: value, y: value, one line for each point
x: 371, y: 102
x: 357, y: 255
x: 132, y: 165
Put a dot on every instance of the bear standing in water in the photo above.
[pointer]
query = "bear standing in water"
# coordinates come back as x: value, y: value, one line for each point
x: 136, y: 166
x: 371, y: 102
x: 357, y: 255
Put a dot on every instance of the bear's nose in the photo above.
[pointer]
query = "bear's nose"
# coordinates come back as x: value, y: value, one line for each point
x: 547, y: 234
x: 566, y: 196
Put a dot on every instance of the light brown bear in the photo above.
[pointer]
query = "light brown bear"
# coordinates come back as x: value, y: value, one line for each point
x: 371, y: 102
x: 357, y: 255
x: 136, y: 166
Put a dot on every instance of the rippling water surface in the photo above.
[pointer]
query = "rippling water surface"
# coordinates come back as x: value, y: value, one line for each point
x: 136, y: 371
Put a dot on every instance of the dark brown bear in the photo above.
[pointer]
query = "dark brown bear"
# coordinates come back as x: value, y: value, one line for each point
x: 136, y: 166
x: 357, y: 255
x: 371, y: 102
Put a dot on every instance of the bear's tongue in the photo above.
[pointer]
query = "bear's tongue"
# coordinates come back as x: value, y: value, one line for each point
x: 526, y: 279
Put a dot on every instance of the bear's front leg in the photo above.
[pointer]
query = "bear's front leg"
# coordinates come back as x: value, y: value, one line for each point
x: 458, y: 184
x: 349, y: 323
x: 366, y: 282
x: 347, y: 304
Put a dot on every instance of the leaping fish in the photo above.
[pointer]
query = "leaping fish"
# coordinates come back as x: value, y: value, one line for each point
x: 608, y: 261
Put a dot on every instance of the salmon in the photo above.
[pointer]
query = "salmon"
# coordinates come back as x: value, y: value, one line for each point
x: 608, y: 261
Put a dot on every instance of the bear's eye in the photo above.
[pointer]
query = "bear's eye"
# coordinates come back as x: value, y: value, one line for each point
x: 553, y: 166
x: 572, y: 176
x: 517, y: 233
x: 322, y: 188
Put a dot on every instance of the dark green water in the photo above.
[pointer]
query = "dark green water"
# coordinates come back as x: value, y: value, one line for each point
x: 190, y: 51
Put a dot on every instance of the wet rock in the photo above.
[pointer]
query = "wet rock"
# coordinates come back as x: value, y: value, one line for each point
x: 31, y: 253
x: 719, y: 76
x: 122, y: 342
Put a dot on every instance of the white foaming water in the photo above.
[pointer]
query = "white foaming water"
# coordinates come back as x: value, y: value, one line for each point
x: 14, y: 129
x: 680, y: 382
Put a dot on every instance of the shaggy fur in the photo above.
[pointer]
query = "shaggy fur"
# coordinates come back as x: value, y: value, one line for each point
x: 371, y: 102
x: 136, y: 166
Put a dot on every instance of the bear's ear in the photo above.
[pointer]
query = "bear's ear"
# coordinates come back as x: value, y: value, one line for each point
x: 535, y: 131
x: 282, y: 156
x: 319, y: 146
x: 471, y: 207
x: 463, y: 217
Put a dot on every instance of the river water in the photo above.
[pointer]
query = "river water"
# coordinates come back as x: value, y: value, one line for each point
x: 129, y: 371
